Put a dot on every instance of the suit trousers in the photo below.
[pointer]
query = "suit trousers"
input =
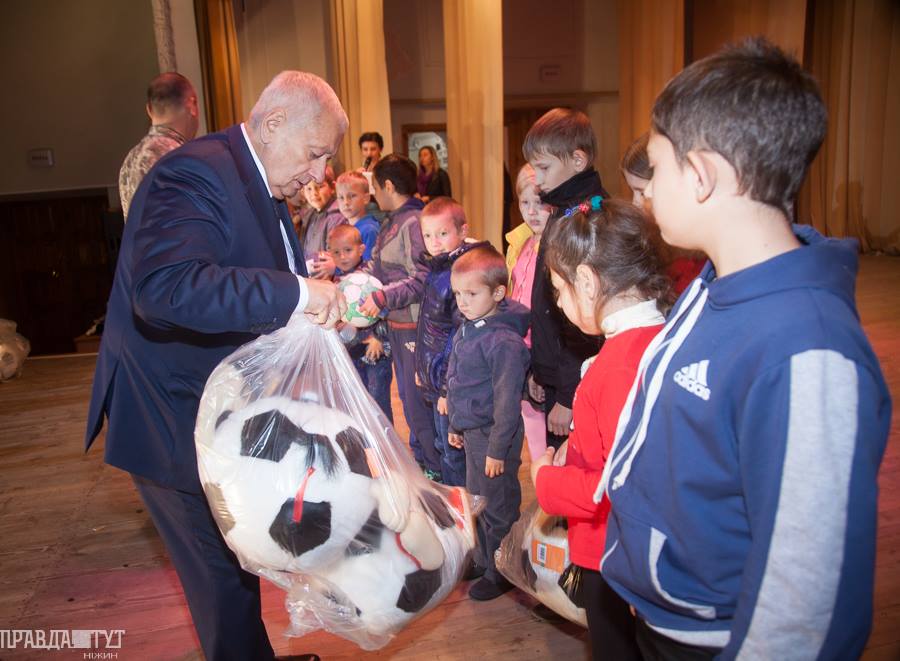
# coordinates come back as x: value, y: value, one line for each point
x: 224, y: 600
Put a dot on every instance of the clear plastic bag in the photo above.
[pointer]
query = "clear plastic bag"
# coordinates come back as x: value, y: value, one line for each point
x: 534, y: 556
x: 13, y: 350
x: 313, y: 490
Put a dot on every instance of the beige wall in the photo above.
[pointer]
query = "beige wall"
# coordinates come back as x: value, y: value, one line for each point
x: 576, y: 36
x: 274, y: 35
x: 74, y: 78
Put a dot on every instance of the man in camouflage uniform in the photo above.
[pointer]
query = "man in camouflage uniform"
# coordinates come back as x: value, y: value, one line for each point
x: 174, y: 118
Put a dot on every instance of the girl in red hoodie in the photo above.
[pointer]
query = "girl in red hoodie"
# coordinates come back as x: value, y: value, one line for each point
x: 610, y: 280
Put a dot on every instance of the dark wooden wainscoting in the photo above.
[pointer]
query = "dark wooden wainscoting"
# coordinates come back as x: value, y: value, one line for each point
x: 56, y: 265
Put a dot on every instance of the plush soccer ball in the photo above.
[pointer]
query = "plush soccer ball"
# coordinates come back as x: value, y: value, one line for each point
x: 356, y: 288
x: 13, y: 350
x: 535, y: 555
x: 302, y: 498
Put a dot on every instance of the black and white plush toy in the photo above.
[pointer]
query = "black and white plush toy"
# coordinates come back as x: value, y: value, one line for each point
x: 305, y: 497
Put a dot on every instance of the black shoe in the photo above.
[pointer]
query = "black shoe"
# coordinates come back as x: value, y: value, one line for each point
x: 546, y: 614
x: 298, y: 657
x: 486, y: 589
x: 474, y: 571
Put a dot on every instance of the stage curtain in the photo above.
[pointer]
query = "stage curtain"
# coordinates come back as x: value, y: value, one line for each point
x: 220, y: 62
x: 851, y: 189
x: 651, y: 51
x: 362, y: 84
x: 473, y: 55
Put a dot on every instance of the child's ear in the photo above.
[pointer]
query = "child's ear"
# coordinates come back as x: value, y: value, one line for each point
x: 499, y: 293
x: 464, y: 231
x: 587, y: 282
x: 705, y: 174
x: 389, y: 187
x: 580, y: 160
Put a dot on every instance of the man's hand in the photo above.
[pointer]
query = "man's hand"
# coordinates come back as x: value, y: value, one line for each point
x: 374, y: 348
x: 545, y: 459
x: 369, y: 307
x: 442, y: 405
x: 493, y: 467
x: 535, y: 391
x: 326, y: 304
x: 456, y: 440
x: 559, y: 420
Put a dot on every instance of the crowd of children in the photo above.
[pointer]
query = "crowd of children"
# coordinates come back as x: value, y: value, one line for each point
x: 719, y: 477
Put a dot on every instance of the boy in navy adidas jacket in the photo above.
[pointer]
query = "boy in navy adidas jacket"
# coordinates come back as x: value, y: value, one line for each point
x: 743, y: 478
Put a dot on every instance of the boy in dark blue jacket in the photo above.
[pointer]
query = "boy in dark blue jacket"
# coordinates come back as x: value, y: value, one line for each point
x: 444, y: 231
x: 486, y: 381
x: 743, y: 476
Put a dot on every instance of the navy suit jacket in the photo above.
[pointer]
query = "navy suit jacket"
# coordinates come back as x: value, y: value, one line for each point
x: 201, y: 271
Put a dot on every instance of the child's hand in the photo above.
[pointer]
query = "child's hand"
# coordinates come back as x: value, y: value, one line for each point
x: 456, y: 440
x: 442, y: 405
x: 545, y: 459
x: 418, y: 380
x: 493, y: 467
x: 323, y: 266
x: 369, y: 307
x: 535, y: 391
x: 559, y: 420
x: 374, y: 348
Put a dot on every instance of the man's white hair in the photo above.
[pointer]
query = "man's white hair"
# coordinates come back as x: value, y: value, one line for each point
x: 303, y: 96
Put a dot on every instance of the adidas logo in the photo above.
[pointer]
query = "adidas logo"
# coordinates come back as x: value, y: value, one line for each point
x: 693, y: 379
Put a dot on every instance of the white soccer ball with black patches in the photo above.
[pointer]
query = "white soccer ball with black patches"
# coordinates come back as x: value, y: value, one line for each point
x: 287, y: 481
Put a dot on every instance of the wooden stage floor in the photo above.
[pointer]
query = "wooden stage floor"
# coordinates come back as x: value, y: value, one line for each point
x: 78, y: 551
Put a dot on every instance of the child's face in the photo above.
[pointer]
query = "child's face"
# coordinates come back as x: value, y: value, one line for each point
x: 669, y: 193
x: 440, y: 233
x: 382, y: 196
x: 551, y: 171
x: 474, y: 297
x: 637, y: 186
x: 352, y: 200
x: 318, y: 195
x: 576, y: 304
x: 534, y: 212
x: 346, y: 253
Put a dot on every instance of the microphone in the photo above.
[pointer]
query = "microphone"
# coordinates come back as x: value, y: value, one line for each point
x: 367, y: 163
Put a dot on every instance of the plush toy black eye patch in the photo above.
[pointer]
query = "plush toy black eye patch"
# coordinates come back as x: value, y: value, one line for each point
x: 269, y: 436
x: 353, y: 445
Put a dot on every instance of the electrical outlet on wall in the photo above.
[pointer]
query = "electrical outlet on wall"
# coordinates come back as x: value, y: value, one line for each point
x: 42, y: 157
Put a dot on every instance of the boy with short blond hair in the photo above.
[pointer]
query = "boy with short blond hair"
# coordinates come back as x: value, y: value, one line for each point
x: 743, y: 475
x: 560, y: 146
x: 444, y: 230
x: 352, y: 190
x: 485, y: 383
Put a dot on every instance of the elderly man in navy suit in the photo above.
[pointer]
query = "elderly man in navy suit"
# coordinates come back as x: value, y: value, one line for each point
x: 209, y: 261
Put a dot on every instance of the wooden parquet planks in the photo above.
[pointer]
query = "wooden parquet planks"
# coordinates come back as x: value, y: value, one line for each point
x: 77, y: 550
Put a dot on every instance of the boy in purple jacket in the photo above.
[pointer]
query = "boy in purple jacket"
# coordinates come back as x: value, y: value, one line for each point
x: 485, y: 383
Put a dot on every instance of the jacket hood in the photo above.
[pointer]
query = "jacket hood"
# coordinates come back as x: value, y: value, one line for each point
x: 821, y: 263
x: 575, y: 190
x: 510, y: 313
x: 411, y: 203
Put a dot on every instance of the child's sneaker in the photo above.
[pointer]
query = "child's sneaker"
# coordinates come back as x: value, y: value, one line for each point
x: 486, y: 589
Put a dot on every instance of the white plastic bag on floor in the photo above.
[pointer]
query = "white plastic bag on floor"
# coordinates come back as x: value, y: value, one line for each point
x: 13, y: 350
x: 534, y: 556
x: 312, y: 489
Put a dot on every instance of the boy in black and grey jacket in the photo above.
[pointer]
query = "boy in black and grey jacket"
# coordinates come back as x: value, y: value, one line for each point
x: 485, y: 383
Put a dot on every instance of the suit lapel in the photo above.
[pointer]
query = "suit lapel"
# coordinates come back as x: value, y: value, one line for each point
x: 257, y: 195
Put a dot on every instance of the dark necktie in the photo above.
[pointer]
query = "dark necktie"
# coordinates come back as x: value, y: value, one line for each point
x: 300, y: 265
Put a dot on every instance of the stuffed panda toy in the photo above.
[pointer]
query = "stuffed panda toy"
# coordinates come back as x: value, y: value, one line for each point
x: 535, y: 557
x: 305, y: 498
